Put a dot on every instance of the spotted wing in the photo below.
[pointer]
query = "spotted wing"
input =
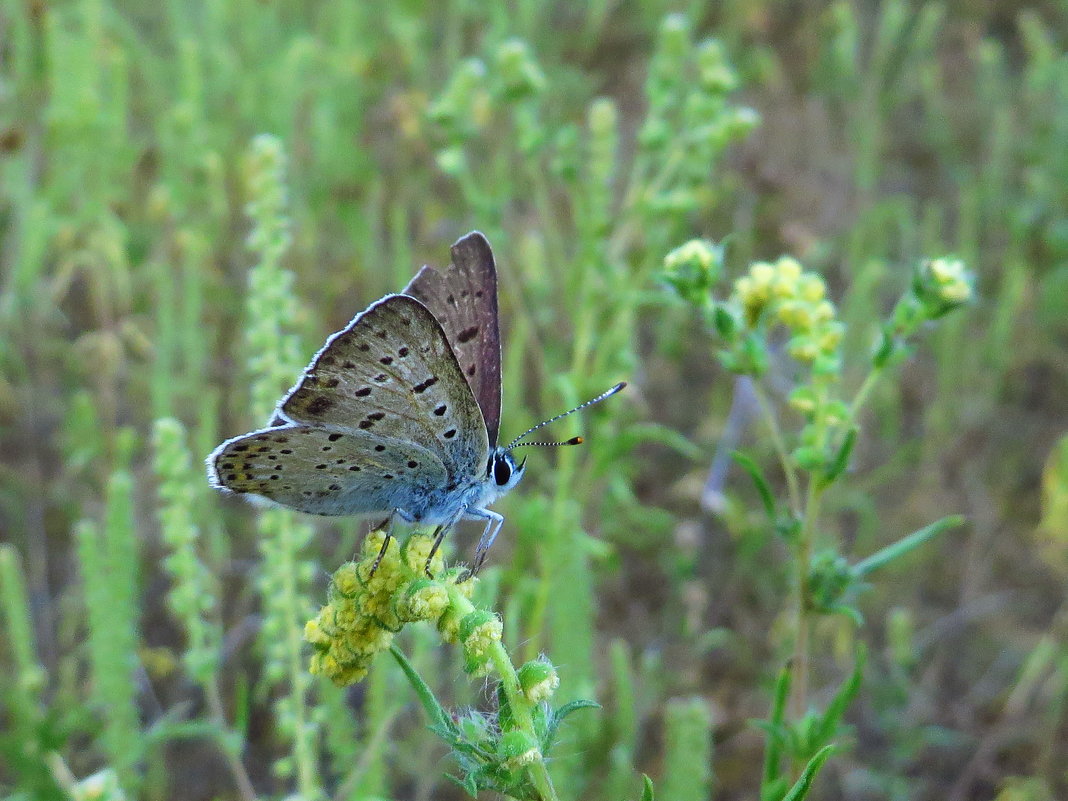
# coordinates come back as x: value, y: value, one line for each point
x: 326, y: 472
x: 463, y: 298
x: 390, y: 375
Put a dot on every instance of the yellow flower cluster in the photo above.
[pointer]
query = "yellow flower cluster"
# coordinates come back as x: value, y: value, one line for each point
x: 950, y: 279
x: 697, y: 252
x: 787, y: 294
x: 366, y: 610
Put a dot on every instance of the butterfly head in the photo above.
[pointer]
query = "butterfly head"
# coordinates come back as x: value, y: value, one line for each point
x: 503, y: 470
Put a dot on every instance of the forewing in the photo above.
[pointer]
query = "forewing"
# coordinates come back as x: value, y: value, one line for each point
x: 390, y: 374
x: 463, y: 298
x: 326, y: 472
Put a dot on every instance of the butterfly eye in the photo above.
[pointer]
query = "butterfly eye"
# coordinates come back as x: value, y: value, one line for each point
x: 502, y: 471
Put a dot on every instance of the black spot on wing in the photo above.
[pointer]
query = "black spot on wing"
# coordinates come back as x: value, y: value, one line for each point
x: 423, y: 386
x: 320, y: 404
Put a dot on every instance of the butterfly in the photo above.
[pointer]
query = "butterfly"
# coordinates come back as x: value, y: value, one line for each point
x: 398, y: 414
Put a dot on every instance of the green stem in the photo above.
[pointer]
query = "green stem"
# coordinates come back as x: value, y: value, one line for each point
x: 521, y: 707
x: 862, y: 394
x: 803, y: 558
x: 777, y: 439
x: 230, y: 745
x: 298, y: 677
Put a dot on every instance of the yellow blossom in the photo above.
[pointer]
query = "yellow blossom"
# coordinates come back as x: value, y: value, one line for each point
x: 803, y: 349
x: 762, y: 274
x: 784, y: 287
x: 812, y: 288
x: 956, y: 292
x: 830, y: 337
x: 698, y: 252
x: 823, y: 311
x: 788, y: 268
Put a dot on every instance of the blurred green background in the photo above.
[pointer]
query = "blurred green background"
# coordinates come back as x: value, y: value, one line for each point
x: 145, y: 615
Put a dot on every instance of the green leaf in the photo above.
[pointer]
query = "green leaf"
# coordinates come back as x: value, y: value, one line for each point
x: 804, y: 783
x: 558, y: 716
x: 434, y: 710
x: 568, y: 708
x: 841, y: 460
x: 774, y: 727
x: 903, y: 546
x: 851, y: 612
x: 885, y: 348
x: 843, y: 698
x: 773, y: 791
x: 754, y: 471
x: 647, y: 789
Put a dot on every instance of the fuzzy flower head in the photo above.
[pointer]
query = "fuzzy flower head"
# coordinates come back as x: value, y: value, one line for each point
x: 369, y: 605
x: 693, y: 268
x: 942, y: 285
x: 538, y: 679
x: 780, y: 293
x: 479, y: 632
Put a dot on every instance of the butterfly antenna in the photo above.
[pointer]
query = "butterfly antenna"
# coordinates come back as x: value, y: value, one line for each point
x: 516, y: 443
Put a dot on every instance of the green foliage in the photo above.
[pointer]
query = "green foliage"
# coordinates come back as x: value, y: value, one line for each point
x: 273, y: 357
x: 192, y: 196
x: 108, y: 559
x: 27, y: 731
x: 687, y: 751
x: 504, y: 752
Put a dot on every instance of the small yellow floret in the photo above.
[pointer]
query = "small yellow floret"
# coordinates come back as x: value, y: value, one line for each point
x: 784, y: 287
x: 812, y: 288
x: 823, y: 312
x: 947, y: 270
x: 762, y: 274
x: 788, y: 268
x: 956, y: 292
x: 426, y: 603
x: 830, y: 337
x: 744, y: 288
x: 314, y: 633
x: 698, y: 252
x: 347, y: 580
x: 804, y: 349
x: 483, y: 637
x: 803, y: 402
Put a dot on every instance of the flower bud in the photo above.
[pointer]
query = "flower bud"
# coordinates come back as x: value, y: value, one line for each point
x: 538, y: 679
x: 518, y: 749
x: 692, y: 269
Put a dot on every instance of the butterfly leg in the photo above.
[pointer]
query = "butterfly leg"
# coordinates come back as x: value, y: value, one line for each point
x: 439, y: 536
x: 494, y: 522
x: 389, y: 535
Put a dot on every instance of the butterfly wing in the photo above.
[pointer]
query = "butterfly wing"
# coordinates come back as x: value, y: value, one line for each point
x: 355, y: 473
x: 463, y: 298
x: 390, y: 376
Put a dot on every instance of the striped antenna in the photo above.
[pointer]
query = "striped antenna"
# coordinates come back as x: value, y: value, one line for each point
x: 516, y: 443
